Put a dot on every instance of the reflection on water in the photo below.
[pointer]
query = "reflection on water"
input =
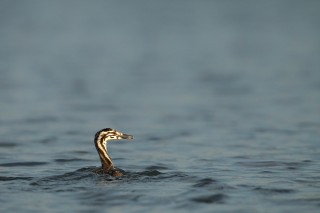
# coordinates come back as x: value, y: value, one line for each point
x: 222, y: 98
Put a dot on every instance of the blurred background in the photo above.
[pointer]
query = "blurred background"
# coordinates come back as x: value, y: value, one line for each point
x: 191, y: 80
x: 133, y: 64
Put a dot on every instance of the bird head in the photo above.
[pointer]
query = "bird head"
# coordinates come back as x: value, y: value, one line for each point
x: 111, y: 134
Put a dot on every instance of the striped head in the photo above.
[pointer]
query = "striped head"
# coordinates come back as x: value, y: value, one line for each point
x: 110, y: 134
x: 100, y: 141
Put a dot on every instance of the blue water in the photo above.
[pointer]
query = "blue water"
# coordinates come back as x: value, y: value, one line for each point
x: 222, y: 97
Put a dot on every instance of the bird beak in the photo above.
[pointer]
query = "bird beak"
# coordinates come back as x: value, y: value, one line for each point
x: 128, y: 137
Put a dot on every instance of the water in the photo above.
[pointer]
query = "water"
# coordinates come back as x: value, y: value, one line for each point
x: 223, y: 98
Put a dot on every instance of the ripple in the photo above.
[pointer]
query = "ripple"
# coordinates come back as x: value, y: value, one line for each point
x: 62, y: 160
x: 148, y: 173
x: 100, y: 198
x: 48, y: 140
x: 74, y: 178
x: 260, y: 164
x: 215, y: 198
x: 80, y: 152
x: 205, y: 182
x: 4, y: 178
x: 87, y: 175
x: 23, y: 164
x: 287, y: 165
x: 273, y: 190
x: 156, y: 167
x: 275, y: 131
x: 7, y: 145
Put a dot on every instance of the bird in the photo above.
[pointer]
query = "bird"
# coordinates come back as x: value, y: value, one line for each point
x: 100, y: 140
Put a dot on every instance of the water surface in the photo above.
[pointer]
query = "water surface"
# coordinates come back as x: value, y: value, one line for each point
x: 222, y: 97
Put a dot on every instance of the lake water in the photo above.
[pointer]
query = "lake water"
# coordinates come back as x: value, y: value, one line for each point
x: 222, y: 97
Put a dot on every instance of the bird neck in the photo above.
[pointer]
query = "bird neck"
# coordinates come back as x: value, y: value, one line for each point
x: 106, y: 161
